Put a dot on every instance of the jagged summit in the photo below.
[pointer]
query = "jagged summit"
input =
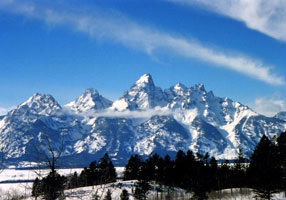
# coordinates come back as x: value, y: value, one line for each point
x: 144, y: 80
x: 43, y: 104
x: 178, y: 89
x: 144, y: 83
x: 39, y: 97
x: 163, y: 122
x: 91, y: 91
x: 198, y: 87
x: 90, y: 99
x: 142, y: 95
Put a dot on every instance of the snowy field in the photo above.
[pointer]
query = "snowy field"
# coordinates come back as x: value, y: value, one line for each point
x: 19, y: 181
x: 13, y: 183
x: 87, y: 193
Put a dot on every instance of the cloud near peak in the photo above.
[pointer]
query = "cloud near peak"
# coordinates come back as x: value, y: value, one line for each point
x: 265, y: 16
x: 122, y: 30
x: 269, y: 106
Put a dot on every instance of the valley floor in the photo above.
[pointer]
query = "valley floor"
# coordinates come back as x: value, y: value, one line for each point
x: 13, y: 186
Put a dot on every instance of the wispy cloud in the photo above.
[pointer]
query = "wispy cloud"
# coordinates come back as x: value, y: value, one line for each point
x: 129, y: 114
x: 184, y: 116
x: 122, y: 30
x: 265, y: 16
x: 269, y: 106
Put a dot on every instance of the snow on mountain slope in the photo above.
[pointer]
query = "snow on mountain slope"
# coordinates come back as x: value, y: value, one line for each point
x: 142, y: 95
x: 25, y: 130
x: 39, y: 104
x: 161, y: 134
x: 281, y: 116
x: 89, y: 100
x: 144, y: 120
x: 112, y: 135
x: 208, y: 138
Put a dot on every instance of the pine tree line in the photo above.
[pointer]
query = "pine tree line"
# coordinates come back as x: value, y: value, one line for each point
x: 52, y: 186
x: 265, y: 172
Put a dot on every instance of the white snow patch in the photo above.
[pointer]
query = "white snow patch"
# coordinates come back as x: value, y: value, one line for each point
x: 120, y: 105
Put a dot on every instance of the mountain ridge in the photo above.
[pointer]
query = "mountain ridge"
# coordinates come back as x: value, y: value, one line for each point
x: 145, y: 120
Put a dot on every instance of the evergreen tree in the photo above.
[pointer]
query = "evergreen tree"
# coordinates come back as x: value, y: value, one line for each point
x: 213, y: 168
x: 203, y: 180
x: 142, y: 188
x: 73, y: 181
x: 281, y: 142
x: 37, y: 188
x: 124, y: 195
x: 180, y: 169
x: 189, y: 170
x: 239, y: 160
x: 84, y: 177
x: 238, y: 172
x: 263, y: 171
x: 224, y: 176
x: 106, y: 169
x: 151, y: 167
x: 53, y: 186
x: 168, y: 172
x: 132, y: 168
x: 101, y: 173
x: 108, y: 195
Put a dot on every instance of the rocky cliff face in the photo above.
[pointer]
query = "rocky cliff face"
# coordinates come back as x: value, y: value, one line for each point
x: 144, y: 120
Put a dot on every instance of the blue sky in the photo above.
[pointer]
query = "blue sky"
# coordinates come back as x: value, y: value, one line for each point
x: 235, y: 47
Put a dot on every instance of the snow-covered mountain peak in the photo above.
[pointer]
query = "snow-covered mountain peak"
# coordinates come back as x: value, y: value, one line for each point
x: 144, y: 83
x: 187, y: 118
x: 43, y: 104
x: 179, y: 88
x: 281, y: 115
x: 177, y: 96
x: 144, y: 80
x: 89, y: 100
x: 142, y: 95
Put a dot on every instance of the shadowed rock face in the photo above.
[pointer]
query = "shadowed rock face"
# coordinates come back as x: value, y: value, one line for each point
x: 185, y: 118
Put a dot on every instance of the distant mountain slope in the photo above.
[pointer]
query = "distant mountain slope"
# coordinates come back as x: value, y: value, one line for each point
x: 144, y: 120
x: 88, y: 101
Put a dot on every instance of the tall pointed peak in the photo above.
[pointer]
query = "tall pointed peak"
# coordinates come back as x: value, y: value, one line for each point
x: 39, y: 97
x: 41, y: 104
x: 90, y: 99
x: 146, y: 79
x: 142, y: 95
x: 178, y: 89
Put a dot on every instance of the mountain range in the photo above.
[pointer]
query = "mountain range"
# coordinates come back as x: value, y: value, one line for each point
x: 145, y: 120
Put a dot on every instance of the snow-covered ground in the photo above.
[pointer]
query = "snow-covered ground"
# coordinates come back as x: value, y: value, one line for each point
x: 87, y: 193
x: 14, y: 175
x: 8, y: 190
x: 19, y: 181
x: 23, y: 175
x: 240, y: 194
